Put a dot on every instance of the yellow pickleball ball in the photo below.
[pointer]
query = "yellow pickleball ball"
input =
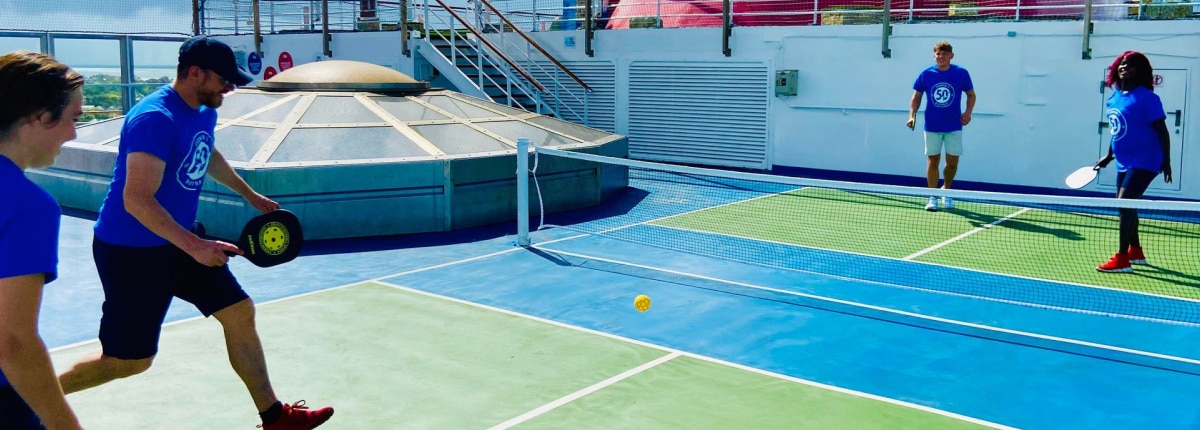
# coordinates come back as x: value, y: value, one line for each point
x: 642, y: 303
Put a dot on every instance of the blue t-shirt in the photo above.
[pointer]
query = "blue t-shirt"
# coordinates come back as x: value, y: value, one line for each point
x: 29, y: 221
x: 943, y: 106
x: 1130, y: 118
x: 163, y: 125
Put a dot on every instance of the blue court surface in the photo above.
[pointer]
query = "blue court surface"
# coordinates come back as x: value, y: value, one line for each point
x: 982, y: 362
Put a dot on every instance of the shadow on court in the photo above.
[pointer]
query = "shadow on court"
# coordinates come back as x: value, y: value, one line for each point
x: 979, y: 220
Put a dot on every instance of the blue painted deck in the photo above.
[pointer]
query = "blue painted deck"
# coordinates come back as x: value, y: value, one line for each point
x: 747, y: 314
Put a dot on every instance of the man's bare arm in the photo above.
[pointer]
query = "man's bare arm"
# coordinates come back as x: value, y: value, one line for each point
x: 913, y: 105
x: 1164, y: 142
x: 23, y: 355
x: 966, y: 116
x: 144, y: 173
x: 223, y: 172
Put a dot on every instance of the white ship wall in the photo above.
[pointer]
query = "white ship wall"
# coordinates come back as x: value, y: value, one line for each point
x: 1039, y: 101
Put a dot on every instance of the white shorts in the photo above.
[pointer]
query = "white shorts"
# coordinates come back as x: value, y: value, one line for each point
x: 951, y: 141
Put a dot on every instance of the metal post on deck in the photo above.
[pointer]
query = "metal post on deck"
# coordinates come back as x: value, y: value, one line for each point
x: 523, y: 191
x: 258, y: 39
x: 325, y: 36
x: 127, y: 65
x: 425, y: 21
x: 887, y: 29
x: 404, y: 29
x: 195, y: 17
x: 1087, y: 30
x: 589, y: 30
x: 726, y: 26
x: 658, y: 14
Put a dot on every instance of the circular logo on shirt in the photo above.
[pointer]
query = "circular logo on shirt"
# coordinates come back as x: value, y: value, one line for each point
x: 1116, y: 123
x: 195, y: 165
x: 942, y: 94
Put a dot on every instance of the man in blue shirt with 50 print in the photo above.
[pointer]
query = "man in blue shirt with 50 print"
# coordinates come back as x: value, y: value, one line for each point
x: 944, y: 118
x: 145, y: 254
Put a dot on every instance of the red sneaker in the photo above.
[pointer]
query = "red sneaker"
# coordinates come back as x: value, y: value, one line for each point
x: 1118, y: 264
x: 1136, y: 256
x: 296, y: 416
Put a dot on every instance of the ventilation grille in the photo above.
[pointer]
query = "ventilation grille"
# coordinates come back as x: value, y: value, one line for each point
x: 697, y: 113
x: 601, y: 103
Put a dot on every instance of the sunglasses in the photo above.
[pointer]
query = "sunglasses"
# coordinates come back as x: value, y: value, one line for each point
x: 221, y: 80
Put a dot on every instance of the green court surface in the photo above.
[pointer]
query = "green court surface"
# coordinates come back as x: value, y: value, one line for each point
x: 395, y: 359
x: 689, y: 393
x: 1034, y: 243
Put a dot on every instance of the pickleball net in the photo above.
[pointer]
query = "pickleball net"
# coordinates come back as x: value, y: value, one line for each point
x: 1030, y: 250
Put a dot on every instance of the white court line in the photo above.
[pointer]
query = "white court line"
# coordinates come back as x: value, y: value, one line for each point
x: 673, y: 353
x: 964, y: 235
x: 377, y: 280
x: 380, y: 280
x: 339, y: 287
x: 585, y: 232
x: 967, y: 269
x: 436, y: 266
x: 704, y: 358
x: 579, y: 394
x: 1112, y: 314
x: 1122, y: 291
x: 896, y: 311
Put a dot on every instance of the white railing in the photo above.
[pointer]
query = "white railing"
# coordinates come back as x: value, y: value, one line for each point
x: 566, y: 95
x: 550, y: 15
x: 283, y: 16
x: 452, y: 25
x: 230, y: 17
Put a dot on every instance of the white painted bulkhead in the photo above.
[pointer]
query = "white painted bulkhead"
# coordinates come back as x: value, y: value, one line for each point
x: 1037, y: 117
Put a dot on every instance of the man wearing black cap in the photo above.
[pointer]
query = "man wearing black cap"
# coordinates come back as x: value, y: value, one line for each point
x: 146, y: 256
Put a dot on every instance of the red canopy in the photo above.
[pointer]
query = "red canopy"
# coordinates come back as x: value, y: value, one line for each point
x: 707, y: 13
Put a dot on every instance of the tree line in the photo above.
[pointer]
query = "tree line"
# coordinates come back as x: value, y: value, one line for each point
x: 102, y: 95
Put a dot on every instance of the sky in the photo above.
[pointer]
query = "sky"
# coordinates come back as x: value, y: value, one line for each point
x: 90, y: 53
x: 156, y: 17
x: 112, y: 16
x: 159, y: 17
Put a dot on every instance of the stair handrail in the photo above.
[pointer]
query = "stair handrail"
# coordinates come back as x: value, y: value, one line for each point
x: 497, y: 51
x: 535, y: 45
x: 512, y: 85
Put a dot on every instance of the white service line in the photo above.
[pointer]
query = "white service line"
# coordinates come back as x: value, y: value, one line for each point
x: 339, y: 287
x: 964, y: 235
x: 377, y: 280
x: 851, y: 303
x: 910, y: 287
x: 702, y: 357
x: 589, y: 390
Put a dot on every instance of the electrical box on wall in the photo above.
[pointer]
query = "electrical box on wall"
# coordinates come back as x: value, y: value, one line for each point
x: 785, y: 82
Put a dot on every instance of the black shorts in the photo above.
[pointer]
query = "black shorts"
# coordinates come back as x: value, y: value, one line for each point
x: 139, y: 284
x: 15, y: 413
x: 1134, y: 182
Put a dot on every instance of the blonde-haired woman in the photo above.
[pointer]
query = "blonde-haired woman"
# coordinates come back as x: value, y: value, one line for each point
x: 42, y: 100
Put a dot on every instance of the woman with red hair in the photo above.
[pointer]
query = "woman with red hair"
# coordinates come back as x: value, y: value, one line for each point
x: 1140, y: 143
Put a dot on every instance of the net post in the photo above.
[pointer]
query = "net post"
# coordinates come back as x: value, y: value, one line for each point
x: 523, y: 191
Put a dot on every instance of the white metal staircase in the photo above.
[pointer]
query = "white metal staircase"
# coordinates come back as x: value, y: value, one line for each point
x: 473, y: 49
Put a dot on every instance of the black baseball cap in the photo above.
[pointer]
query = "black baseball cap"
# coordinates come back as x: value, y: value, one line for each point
x: 215, y: 55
